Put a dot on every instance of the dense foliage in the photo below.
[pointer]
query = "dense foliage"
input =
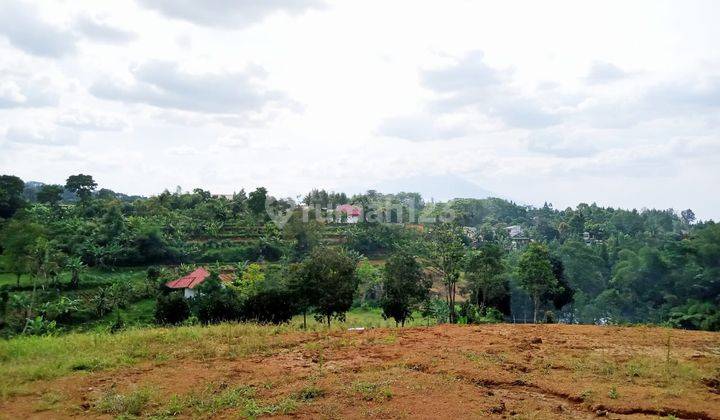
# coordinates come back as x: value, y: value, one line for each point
x: 489, y: 258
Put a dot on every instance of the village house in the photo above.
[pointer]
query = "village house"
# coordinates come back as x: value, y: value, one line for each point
x: 352, y: 213
x: 189, y: 283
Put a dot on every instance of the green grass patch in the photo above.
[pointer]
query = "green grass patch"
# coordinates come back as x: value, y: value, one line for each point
x: 129, y: 404
x: 372, y: 391
x: 28, y: 358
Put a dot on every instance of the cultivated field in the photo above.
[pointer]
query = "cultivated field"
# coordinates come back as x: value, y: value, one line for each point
x: 501, y: 371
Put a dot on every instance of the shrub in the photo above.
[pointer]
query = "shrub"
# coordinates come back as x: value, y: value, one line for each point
x: 171, y: 308
x: 272, y: 305
x: 231, y: 254
x: 215, y: 303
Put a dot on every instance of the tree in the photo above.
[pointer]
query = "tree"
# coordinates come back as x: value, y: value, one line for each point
x: 330, y: 274
x: 215, y: 303
x: 11, y: 195
x: 75, y: 265
x: 81, y: 185
x: 50, y: 194
x: 238, y: 202
x: 405, y: 287
x: 171, y: 308
x: 45, y: 262
x: 152, y: 275
x: 370, y: 282
x: 562, y: 294
x: 484, y: 270
x: 688, y: 216
x: 446, y: 251
x: 18, y: 239
x: 303, y: 289
x: 535, y: 274
x: 256, y: 201
x: 305, y: 235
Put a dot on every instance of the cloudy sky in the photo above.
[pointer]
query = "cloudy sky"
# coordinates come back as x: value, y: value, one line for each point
x: 613, y: 102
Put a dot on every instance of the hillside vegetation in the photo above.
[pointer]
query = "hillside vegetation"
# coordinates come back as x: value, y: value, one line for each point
x: 75, y: 257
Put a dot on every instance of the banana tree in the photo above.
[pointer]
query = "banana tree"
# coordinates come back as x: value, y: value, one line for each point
x: 76, y: 266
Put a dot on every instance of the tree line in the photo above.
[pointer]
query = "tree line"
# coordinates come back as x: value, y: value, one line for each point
x: 498, y: 260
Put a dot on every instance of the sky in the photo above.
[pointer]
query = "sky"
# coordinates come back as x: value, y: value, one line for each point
x: 612, y: 102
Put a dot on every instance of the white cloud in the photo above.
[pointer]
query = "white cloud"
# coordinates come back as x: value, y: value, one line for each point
x: 88, y: 120
x: 21, y: 26
x: 100, y: 31
x: 602, y: 72
x: 20, y: 92
x: 471, y: 83
x: 41, y: 136
x: 521, y: 109
x: 166, y: 85
x: 228, y: 13
x: 420, y: 127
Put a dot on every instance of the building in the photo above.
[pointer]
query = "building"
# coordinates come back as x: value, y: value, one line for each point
x: 515, y: 231
x: 189, y: 282
x: 352, y: 213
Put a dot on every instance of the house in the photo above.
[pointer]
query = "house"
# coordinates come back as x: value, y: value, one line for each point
x: 189, y: 282
x: 515, y: 231
x: 352, y: 212
x: 517, y: 236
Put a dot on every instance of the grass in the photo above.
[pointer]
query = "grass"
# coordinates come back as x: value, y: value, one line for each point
x: 368, y: 318
x: 373, y: 391
x: 132, y: 403
x: 136, y: 314
x: 24, y: 359
x: 27, y: 358
x: 216, y: 398
x: 91, y: 278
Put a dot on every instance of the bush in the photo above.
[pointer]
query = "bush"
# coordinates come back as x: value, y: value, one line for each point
x: 231, y: 254
x: 171, y: 308
x: 273, y: 305
x: 215, y: 303
x: 436, y: 309
x: 473, y: 314
x: 696, y: 316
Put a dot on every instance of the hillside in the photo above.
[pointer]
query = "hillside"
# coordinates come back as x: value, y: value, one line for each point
x: 502, y: 370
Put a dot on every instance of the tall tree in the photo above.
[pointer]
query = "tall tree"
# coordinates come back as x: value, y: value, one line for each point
x: 484, y: 270
x: 303, y: 288
x: 11, y: 195
x: 535, y: 274
x: 18, y: 239
x: 50, y: 194
x: 256, y: 201
x: 81, y: 185
x: 688, y: 216
x: 332, y: 273
x: 405, y: 287
x: 446, y: 252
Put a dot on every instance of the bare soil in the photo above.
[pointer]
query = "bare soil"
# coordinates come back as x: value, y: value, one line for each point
x: 447, y: 371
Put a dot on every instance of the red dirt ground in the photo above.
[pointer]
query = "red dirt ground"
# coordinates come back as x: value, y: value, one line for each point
x: 492, y: 371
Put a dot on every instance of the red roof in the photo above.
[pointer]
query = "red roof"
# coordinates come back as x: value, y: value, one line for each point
x: 190, y: 281
x: 349, y: 209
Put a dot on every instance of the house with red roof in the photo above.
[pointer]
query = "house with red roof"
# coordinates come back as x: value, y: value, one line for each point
x: 352, y: 213
x: 189, y: 282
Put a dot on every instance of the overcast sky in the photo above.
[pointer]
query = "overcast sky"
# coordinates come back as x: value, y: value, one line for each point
x: 561, y: 101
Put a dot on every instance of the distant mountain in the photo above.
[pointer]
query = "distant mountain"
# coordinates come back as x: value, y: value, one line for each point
x: 437, y: 188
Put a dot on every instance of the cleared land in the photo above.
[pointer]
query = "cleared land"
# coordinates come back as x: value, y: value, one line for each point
x: 502, y: 370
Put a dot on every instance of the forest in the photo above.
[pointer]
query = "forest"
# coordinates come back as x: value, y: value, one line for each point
x: 73, y: 254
